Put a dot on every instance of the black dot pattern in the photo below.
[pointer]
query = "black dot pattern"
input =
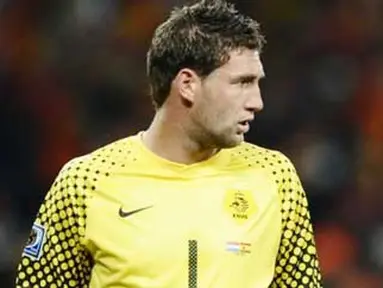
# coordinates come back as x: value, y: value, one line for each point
x: 193, y: 264
x: 64, y: 261
x: 297, y: 262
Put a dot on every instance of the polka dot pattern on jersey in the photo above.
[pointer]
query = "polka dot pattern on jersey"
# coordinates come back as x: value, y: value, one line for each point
x: 64, y: 261
x: 297, y: 262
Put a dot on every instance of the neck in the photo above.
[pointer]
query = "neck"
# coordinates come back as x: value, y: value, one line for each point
x: 168, y: 139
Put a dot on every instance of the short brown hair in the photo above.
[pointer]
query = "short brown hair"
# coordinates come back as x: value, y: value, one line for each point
x: 200, y: 37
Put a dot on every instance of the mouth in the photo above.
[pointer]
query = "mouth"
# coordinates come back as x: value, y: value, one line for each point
x: 245, y: 122
x: 244, y: 126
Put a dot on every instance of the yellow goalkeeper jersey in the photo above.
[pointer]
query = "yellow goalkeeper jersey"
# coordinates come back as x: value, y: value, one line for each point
x: 124, y: 217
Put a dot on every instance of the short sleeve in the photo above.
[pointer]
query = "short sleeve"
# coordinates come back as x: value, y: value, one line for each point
x: 54, y: 255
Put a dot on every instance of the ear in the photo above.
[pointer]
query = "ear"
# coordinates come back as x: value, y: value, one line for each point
x: 187, y: 84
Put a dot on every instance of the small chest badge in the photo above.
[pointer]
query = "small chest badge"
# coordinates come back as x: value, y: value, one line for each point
x: 240, y: 204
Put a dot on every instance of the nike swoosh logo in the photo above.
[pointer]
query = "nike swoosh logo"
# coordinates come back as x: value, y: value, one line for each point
x: 124, y: 214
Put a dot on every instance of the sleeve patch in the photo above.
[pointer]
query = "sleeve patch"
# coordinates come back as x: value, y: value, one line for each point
x: 35, y: 242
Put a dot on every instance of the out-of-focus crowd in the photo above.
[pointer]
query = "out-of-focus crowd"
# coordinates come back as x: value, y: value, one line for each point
x: 72, y: 78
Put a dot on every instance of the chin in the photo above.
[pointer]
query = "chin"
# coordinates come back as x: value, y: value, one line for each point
x: 231, y: 141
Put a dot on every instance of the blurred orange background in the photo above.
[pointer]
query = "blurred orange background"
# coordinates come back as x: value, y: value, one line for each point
x: 72, y: 78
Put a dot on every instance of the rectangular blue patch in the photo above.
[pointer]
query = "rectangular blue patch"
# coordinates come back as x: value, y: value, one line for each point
x: 35, y: 242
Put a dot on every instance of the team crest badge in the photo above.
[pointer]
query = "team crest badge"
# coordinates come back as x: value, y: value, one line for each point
x: 240, y: 204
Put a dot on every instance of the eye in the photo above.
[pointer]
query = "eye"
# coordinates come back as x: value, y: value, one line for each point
x: 247, y: 81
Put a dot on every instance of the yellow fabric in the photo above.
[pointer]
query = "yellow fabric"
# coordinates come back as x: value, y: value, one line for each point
x: 123, y: 217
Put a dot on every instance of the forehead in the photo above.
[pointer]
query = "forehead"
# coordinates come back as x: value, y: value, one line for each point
x: 244, y: 61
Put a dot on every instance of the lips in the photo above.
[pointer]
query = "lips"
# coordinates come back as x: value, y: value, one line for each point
x: 246, y: 121
x: 244, y: 126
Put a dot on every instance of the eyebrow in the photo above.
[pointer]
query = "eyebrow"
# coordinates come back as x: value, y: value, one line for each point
x: 247, y: 77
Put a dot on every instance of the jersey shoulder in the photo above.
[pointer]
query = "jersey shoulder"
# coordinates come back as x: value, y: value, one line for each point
x: 256, y: 156
x: 103, y: 160
x: 87, y: 172
x: 276, y: 165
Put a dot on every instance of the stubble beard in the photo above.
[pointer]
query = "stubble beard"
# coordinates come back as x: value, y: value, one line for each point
x: 224, y: 139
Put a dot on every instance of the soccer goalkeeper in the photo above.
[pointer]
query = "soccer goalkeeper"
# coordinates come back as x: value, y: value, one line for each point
x: 187, y: 202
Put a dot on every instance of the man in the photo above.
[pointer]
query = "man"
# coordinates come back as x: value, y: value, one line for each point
x: 186, y: 203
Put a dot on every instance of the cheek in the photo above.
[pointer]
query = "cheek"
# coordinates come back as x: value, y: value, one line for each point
x: 229, y: 106
x: 225, y: 116
x: 209, y: 108
x: 204, y: 113
x: 219, y: 107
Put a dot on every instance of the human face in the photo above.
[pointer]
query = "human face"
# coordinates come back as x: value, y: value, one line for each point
x: 228, y: 99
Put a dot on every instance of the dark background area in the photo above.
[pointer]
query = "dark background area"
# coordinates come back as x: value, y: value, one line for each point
x: 72, y: 78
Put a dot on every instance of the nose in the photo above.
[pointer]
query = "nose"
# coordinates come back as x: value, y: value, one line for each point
x: 254, y: 101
